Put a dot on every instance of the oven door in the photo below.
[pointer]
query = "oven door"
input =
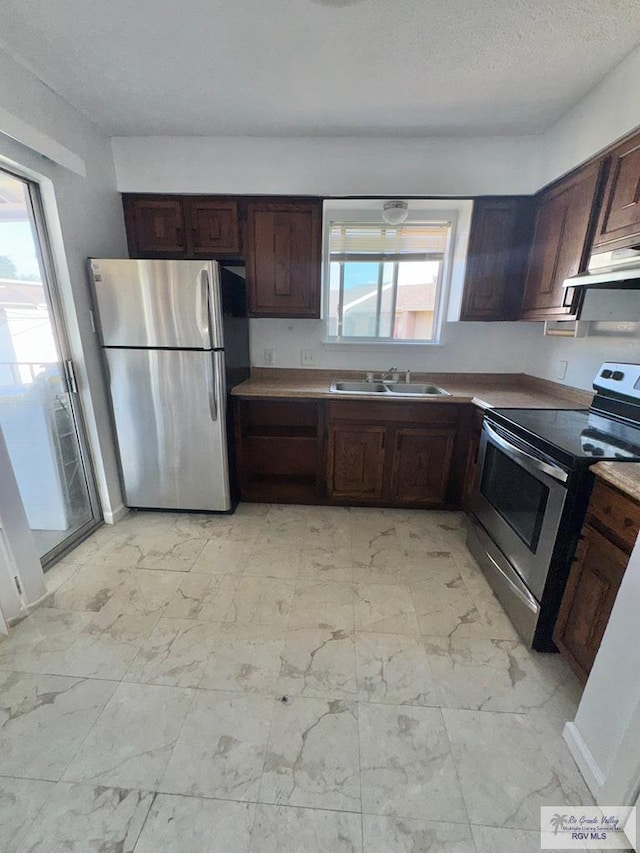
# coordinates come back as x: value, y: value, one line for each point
x: 518, y: 499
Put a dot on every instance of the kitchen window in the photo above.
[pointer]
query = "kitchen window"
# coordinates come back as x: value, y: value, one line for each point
x: 384, y: 283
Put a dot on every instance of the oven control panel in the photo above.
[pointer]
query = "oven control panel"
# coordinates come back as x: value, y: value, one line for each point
x: 619, y: 378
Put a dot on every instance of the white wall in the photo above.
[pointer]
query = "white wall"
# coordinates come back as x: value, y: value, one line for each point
x: 328, y: 166
x: 607, y: 113
x: 406, y: 167
x: 610, y: 704
x: 606, y: 342
x: 90, y: 223
x: 430, y: 166
x: 466, y: 348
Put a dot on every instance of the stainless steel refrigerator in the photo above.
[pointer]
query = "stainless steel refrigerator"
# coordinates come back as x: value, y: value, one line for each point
x: 175, y: 338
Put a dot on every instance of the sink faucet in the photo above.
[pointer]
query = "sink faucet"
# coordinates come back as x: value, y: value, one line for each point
x: 392, y: 373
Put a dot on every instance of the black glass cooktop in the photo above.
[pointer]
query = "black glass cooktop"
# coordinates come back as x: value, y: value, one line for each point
x: 572, y: 436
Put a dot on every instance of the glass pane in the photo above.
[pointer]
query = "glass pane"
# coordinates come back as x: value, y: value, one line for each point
x: 35, y: 409
x: 520, y: 499
x: 416, y: 303
x: 360, y: 299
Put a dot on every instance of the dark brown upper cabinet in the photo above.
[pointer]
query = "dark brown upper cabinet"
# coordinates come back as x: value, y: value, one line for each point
x: 619, y: 220
x: 182, y: 226
x: 214, y: 227
x: 283, y: 253
x: 562, y: 238
x: 499, y: 243
x: 155, y: 226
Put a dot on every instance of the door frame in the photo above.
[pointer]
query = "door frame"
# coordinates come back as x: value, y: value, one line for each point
x: 51, y: 287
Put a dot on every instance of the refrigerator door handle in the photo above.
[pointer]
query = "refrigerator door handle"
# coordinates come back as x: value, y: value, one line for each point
x: 211, y: 385
x: 204, y: 318
x: 214, y: 289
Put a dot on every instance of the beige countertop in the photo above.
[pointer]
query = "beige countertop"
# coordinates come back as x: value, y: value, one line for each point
x: 493, y: 390
x: 623, y: 475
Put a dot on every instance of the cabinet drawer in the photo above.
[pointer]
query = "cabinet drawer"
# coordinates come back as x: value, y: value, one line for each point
x: 392, y: 412
x: 617, y: 514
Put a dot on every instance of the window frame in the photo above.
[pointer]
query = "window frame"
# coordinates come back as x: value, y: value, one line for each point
x: 368, y: 211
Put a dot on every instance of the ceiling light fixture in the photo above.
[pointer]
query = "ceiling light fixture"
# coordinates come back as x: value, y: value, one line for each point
x: 394, y: 212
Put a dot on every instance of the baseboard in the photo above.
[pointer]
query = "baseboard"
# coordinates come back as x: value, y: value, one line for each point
x: 116, y: 515
x: 593, y: 775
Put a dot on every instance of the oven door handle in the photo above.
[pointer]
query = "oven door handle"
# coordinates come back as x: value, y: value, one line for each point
x: 518, y: 455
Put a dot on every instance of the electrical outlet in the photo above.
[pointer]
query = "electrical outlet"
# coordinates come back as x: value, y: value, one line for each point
x: 269, y: 357
x: 561, y: 371
x: 308, y: 357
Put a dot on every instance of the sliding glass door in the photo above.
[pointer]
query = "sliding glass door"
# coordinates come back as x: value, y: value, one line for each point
x: 39, y: 413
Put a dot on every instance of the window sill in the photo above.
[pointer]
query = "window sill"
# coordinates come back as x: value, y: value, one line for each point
x: 369, y: 343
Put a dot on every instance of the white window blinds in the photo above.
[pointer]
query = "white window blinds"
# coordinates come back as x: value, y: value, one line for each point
x: 368, y: 241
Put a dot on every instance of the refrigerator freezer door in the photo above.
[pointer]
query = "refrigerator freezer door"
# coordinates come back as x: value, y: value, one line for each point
x: 173, y: 304
x: 170, y: 415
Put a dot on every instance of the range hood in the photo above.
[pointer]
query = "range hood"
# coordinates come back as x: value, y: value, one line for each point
x: 616, y: 270
x: 610, y: 289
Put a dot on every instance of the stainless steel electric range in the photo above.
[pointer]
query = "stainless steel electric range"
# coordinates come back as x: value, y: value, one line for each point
x: 532, y: 490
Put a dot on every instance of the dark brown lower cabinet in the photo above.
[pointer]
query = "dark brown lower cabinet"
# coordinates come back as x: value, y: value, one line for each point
x: 360, y: 452
x: 421, y: 465
x: 278, y: 450
x: 356, y: 461
x: 588, y: 600
x: 606, y: 541
x: 394, y: 454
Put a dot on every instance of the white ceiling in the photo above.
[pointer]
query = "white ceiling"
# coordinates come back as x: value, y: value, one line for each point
x: 321, y: 67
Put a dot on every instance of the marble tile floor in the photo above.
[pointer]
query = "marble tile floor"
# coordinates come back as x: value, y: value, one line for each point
x: 284, y: 679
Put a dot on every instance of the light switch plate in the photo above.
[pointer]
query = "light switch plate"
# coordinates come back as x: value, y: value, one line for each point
x: 308, y: 358
x: 561, y: 371
x: 269, y: 357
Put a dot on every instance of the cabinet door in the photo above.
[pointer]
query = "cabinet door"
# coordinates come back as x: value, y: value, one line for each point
x: 155, y: 226
x: 283, y: 259
x: 561, y: 243
x: 213, y: 227
x: 497, y: 258
x: 619, y: 222
x: 421, y: 465
x: 588, y: 599
x: 356, y: 461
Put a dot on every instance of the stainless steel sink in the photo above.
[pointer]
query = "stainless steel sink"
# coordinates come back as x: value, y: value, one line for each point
x: 409, y: 390
x: 358, y: 388
x: 399, y: 389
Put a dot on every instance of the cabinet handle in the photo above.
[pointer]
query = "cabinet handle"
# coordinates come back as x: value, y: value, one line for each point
x: 382, y: 438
